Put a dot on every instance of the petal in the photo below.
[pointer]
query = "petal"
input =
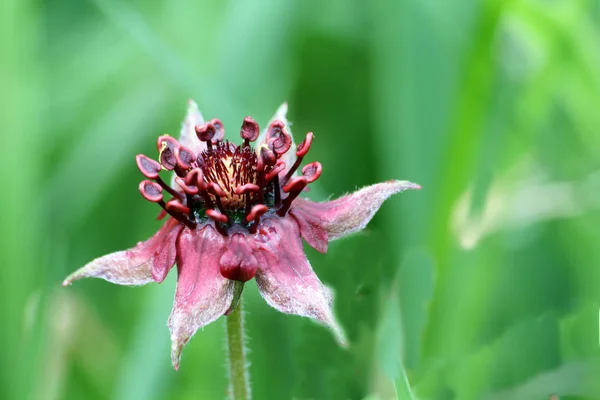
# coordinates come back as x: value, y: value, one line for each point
x: 353, y: 212
x: 166, y: 251
x: 203, y: 294
x: 134, y: 266
x: 187, y: 136
x: 290, y: 156
x: 311, y: 229
x: 285, y: 278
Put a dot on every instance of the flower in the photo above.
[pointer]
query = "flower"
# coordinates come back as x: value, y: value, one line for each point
x: 235, y: 214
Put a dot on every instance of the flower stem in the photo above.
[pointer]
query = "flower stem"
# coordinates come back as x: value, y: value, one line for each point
x: 239, y: 381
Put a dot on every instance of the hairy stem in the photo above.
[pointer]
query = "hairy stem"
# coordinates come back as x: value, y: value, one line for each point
x: 239, y: 380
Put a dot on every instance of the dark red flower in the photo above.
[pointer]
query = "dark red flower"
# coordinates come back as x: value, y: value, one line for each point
x: 233, y: 214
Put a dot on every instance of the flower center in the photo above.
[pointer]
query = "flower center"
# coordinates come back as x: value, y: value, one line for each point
x: 232, y: 186
x: 229, y: 166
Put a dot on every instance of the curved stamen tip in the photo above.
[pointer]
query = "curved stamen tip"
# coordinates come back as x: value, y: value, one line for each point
x: 215, y: 189
x: 278, y: 137
x: 295, y: 184
x: 188, y: 189
x: 184, y: 157
x: 219, y: 130
x: 279, y: 166
x: 147, y: 166
x: 216, y: 216
x: 256, y: 212
x: 267, y: 157
x: 177, y: 206
x: 151, y: 191
x: 205, y: 132
x: 304, y: 146
x: 195, y: 178
x: 249, y: 130
x: 312, y: 171
x: 166, y: 148
x: 248, y: 187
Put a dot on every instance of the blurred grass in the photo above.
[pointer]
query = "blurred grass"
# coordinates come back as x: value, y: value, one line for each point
x: 484, y: 285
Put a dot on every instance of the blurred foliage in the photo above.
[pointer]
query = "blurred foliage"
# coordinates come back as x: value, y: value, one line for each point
x: 484, y: 285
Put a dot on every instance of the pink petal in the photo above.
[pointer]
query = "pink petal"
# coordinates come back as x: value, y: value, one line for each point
x: 164, y: 255
x: 350, y: 213
x: 311, y: 229
x: 134, y: 266
x: 187, y: 135
x: 290, y: 156
x: 203, y: 294
x: 285, y: 278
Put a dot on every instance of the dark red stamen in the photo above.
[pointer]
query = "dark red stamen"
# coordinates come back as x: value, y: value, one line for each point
x: 205, y: 133
x: 280, y: 166
x: 312, y: 171
x: 176, y: 206
x: 294, y: 187
x: 278, y: 139
x: 151, y: 191
x: 247, y: 188
x: 166, y: 147
x: 228, y: 184
x: 249, y: 131
x: 148, y: 166
x: 184, y: 157
x: 217, y: 216
x: 303, y: 148
x: 188, y: 189
x: 219, y: 130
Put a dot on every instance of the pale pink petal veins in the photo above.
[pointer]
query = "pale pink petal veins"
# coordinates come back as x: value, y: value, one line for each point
x: 203, y: 294
x: 138, y: 265
x: 285, y: 278
x: 353, y: 212
x: 290, y: 156
x: 311, y: 228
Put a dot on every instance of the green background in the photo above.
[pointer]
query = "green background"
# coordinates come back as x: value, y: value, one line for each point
x: 483, y: 285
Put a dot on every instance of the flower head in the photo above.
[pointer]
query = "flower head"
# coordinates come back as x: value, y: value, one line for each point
x: 233, y: 214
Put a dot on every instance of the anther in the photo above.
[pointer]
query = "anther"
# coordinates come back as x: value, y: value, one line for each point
x: 149, y: 167
x: 168, y: 188
x: 216, y: 216
x: 220, y: 130
x: 247, y: 188
x: 265, y: 158
x: 184, y: 157
x: 278, y: 138
x: 280, y: 166
x: 254, y: 215
x: 188, y: 189
x: 166, y: 147
x: 312, y: 171
x: 175, y: 205
x: 195, y: 177
x: 205, y: 133
x: 303, y: 148
x: 294, y: 188
x: 256, y: 212
x: 296, y: 184
x: 215, y: 189
x: 151, y: 191
x: 249, y: 131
